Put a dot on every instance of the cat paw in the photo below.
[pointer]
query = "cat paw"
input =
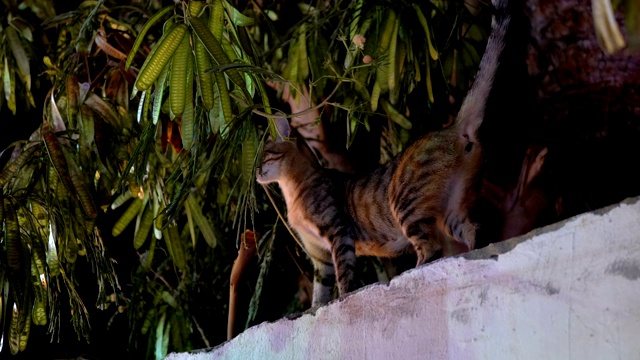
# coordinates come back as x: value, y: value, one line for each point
x: 424, y: 254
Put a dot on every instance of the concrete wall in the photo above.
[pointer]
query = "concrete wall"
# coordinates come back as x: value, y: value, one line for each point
x: 567, y: 291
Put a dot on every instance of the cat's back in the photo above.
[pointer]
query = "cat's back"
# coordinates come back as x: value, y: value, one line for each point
x: 424, y: 168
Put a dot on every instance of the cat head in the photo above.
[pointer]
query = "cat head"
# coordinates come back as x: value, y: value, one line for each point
x: 286, y: 155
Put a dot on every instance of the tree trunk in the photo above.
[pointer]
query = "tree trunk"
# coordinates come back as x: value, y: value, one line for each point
x: 583, y: 109
x: 567, y: 63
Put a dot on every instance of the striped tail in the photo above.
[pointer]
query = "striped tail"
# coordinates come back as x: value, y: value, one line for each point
x: 472, y: 110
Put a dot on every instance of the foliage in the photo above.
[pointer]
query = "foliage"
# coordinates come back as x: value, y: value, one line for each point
x: 173, y: 159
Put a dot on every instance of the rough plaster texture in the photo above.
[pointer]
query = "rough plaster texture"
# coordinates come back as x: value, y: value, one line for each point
x: 568, y: 291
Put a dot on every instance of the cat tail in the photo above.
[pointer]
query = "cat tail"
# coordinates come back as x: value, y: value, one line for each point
x: 471, y: 112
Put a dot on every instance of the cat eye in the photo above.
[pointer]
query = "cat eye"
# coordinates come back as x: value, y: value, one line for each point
x: 468, y: 147
x: 270, y: 156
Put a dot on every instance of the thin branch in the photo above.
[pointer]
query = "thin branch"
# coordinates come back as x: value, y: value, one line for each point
x: 204, y: 338
x: 301, y: 113
x: 284, y: 220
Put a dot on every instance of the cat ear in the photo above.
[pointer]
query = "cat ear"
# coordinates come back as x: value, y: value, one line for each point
x: 284, y: 130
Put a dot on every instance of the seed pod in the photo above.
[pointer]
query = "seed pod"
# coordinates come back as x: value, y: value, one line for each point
x: 423, y: 21
x: 291, y: 70
x: 429, y: 86
x: 19, y: 54
x: 224, y: 98
x: 174, y: 246
x: 14, y: 331
x: 103, y: 44
x: 143, y: 32
x: 205, y: 79
x: 375, y: 94
x: 80, y: 187
x: 382, y: 71
x: 127, y: 217
x: 216, y: 20
x: 178, y: 81
x: 160, y: 56
x: 393, y: 47
x: 121, y: 199
x: 39, y: 311
x: 57, y: 156
x: 73, y: 93
x: 13, y: 239
x: 15, y: 165
x: 147, y: 320
x: 195, y: 7
x: 228, y: 49
x: 152, y: 247
x: 303, y: 62
x: 158, y: 94
x: 24, y: 334
x: 97, y: 104
x: 249, y: 150
x: 387, y: 32
x: 215, y: 50
x: 71, y: 249
x: 202, y: 222
x: 394, y: 115
x: 143, y: 230
x: 39, y: 257
x: 187, y: 123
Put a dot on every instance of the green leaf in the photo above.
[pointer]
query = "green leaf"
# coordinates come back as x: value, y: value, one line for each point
x: 161, y: 351
x: 143, y: 32
x: 237, y: 18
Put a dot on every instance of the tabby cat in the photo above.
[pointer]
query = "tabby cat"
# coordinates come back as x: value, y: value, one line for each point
x: 418, y: 200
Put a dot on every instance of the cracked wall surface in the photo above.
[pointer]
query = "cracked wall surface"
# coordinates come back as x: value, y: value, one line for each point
x: 567, y: 291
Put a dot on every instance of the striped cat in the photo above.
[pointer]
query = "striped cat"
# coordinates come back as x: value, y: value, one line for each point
x: 418, y: 200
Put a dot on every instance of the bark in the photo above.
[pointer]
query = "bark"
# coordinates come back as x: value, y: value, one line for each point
x: 520, y: 206
x: 311, y: 127
x: 566, y: 62
x: 583, y: 109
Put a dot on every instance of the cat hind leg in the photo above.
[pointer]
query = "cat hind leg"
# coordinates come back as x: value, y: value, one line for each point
x: 344, y: 258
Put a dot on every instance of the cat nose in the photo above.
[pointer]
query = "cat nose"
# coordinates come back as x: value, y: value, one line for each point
x: 260, y: 173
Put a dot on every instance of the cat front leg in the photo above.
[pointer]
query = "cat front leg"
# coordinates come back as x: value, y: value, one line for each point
x: 423, y: 236
x: 324, y: 274
x: 414, y: 199
x: 324, y: 280
x: 463, y: 193
x: 462, y: 231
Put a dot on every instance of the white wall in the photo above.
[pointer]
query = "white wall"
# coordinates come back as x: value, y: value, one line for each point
x: 568, y: 291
